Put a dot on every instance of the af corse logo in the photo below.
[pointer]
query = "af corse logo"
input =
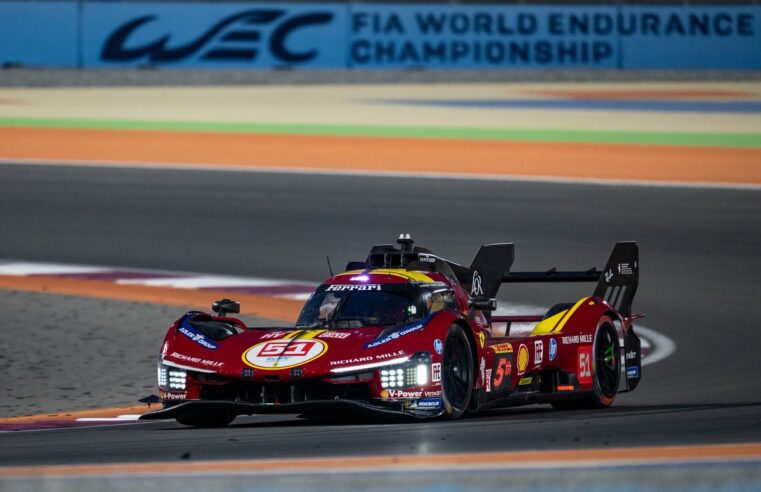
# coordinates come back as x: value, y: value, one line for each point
x: 234, y: 38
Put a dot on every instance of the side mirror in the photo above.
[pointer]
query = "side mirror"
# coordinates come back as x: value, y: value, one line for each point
x: 225, y: 306
x: 482, y: 303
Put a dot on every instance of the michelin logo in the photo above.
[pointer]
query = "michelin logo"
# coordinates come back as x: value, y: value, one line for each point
x: 429, y: 403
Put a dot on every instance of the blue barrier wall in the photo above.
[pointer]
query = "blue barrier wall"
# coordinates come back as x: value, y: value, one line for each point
x: 241, y: 35
x: 40, y: 33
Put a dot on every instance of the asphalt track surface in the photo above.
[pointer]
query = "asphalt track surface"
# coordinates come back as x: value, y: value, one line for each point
x: 700, y: 262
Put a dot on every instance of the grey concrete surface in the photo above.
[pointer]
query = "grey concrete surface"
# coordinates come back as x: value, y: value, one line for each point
x: 700, y: 259
x: 63, y: 353
x: 48, y: 77
x: 729, y: 477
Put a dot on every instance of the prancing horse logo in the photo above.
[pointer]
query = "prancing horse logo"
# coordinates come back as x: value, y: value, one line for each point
x: 116, y: 50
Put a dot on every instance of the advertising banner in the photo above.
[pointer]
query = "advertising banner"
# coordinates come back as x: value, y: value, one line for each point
x: 378, y: 36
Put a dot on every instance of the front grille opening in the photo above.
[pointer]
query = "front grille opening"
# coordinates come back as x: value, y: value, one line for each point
x: 272, y: 392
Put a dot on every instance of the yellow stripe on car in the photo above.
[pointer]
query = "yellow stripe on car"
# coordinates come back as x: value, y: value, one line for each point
x: 395, y: 272
x: 556, y: 322
x: 311, y: 333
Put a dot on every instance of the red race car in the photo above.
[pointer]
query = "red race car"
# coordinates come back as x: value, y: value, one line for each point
x: 408, y: 333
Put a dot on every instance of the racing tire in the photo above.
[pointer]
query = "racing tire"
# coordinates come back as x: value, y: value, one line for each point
x: 606, y: 370
x: 206, y: 419
x: 456, y: 373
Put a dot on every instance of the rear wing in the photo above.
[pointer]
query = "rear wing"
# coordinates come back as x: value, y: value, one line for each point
x: 617, y: 283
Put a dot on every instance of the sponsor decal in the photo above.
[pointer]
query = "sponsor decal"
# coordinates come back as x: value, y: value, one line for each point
x: 393, y: 336
x: 502, y: 348
x: 584, y: 368
x: 355, y: 360
x: 436, y: 372
x: 174, y: 396
x: 438, y: 346
x: 428, y: 403
x: 632, y: 372
x: 571, y: 340
x: 488, y: 381
x: 482, y: 366
x: 553, y: 349
x: 335, y: 334
x: 390, y: 355
x: 608, y: 276
x: 475, y: 285
x: 368, y: 358
x: 538, y: 352
x: 522, y: 359
x: 411, y: 394
x: 283, y: 354
x: 197, y: 360
x: 631, y: 355
x: 503, y: 369
x: 525, y: 381
x: 275, y: 334
x: 625, y: 269
x: 199, y: 338
x: 481, y: 338
x: 342, y: 287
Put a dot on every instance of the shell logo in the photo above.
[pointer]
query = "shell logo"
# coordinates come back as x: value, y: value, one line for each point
x: 522, y: 359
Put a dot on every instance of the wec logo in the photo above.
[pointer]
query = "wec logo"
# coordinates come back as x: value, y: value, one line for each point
x: 236, y: 38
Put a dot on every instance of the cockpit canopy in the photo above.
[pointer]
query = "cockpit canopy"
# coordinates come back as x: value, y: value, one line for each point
x: 346, y: 306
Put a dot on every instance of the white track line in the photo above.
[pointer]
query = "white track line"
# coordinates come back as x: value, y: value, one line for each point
x: 382, y: 174
x: 120, y: 418
x: 662, y: 345
x: 203, y: 282
x: 28, y: 268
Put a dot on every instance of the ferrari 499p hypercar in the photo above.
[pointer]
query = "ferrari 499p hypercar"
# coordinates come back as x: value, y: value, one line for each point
x: 406, y: 333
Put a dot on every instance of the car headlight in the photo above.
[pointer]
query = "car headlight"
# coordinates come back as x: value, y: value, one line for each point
x: 414, y: 372
x: 171, y: 378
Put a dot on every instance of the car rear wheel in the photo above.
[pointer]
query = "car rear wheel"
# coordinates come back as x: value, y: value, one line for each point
x: 195, y: 419
x: 456, y: 373
x: 606, y: 369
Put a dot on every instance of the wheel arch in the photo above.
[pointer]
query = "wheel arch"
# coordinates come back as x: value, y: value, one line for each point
x: 471, y: 340
x: 473, y: 406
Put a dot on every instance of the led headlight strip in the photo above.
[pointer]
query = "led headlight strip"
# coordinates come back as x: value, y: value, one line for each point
x: 402, y: 372
x: 373, y: 365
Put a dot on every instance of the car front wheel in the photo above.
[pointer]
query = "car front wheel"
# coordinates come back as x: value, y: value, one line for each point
x: 456, y: 373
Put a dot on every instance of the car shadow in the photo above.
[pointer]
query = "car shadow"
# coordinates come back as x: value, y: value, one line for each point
x: 531, y: 413
x: 514, y: 414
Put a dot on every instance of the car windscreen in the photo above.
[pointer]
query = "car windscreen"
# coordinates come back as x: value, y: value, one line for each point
x: 346, y: 306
